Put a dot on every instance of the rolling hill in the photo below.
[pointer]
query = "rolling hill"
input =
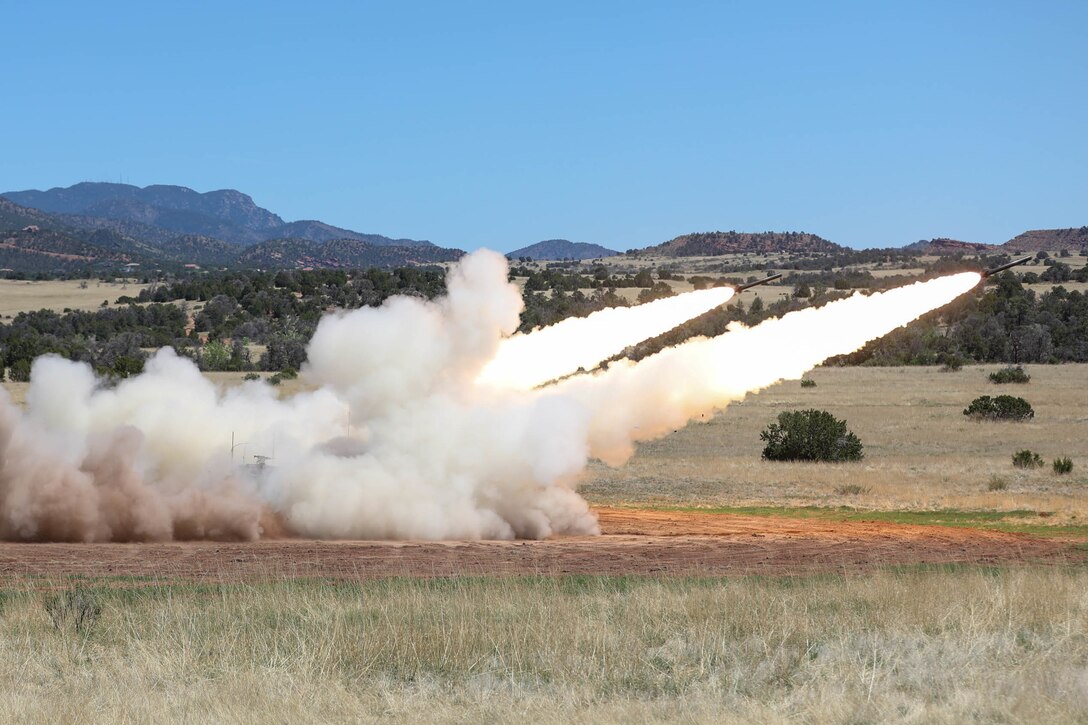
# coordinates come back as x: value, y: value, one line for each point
x: 551, y: 249
x: 717, y: 243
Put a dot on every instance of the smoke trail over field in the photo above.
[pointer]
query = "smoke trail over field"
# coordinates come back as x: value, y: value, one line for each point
x: 645, y: 400
x: 396, y: 439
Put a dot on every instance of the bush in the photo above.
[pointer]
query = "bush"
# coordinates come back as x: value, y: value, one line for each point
x: 952, y: 363
x: 1027, y: 459
x: 810, y: 435
x: 20, y: 371
x: 997, y: 484
x: 1003, y: 407
x: 1010, y: 374
x: 77, y: 608
x: 808, y: 383
x: 851, y: 489
x: 251, y: 376
x: 1062, y: 466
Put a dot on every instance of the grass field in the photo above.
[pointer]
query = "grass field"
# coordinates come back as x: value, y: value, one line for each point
x: 20, y: 296
x: 921, y: 452
x: 914, y: 645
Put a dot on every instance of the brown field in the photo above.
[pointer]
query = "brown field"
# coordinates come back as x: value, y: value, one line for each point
x: 20, y: 296
x: 921, y: 453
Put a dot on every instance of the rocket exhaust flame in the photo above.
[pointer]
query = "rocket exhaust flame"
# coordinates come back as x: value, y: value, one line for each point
x: 548, y: 353
x: 396, y: 439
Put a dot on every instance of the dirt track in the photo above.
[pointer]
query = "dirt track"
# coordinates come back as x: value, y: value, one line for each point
x: 634, y: 542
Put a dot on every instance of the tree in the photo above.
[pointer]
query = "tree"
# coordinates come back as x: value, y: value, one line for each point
x: 657, y: 292
x: 214, y: 356
x: 810, y: 435
x: 284, y: 354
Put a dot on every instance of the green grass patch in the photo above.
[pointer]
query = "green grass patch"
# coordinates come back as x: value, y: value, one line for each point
x: 1007, y: 521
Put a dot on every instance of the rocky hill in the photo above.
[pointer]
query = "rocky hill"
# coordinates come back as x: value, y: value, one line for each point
x: 1040, y: 240
x: 551, y: 249
x: 716, y: 243
x: 943, y: 245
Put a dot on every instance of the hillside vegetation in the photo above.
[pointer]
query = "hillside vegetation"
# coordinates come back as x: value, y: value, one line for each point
x: 1048, y: 239
x: 715, y: 243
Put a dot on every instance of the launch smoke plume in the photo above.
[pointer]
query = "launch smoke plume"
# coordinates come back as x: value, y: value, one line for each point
x: 396, y: 439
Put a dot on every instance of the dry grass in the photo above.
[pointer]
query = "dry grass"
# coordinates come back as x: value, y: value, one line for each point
x: 920, y: 451
x: 916, y: 646
x: 19, y: 296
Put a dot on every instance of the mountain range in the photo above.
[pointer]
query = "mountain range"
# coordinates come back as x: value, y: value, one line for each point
x: 226, y: 214
x: 96, y: 224
x: 107, y: 224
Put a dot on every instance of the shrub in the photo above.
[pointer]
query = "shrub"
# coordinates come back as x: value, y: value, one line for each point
x: 952, y: 363
x: 1003, y: 407
x: 1027, y: 459
x: 851, y: 489
x: 251, y: 376
x: 808, y: 383
x: 1062, y: 466
x: 76, y: 607
x: 1010, y: 374
x: 810, y: 435
x: 997, y: 484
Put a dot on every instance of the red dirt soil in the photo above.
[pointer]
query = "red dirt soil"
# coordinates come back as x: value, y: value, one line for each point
x: 633, y: 542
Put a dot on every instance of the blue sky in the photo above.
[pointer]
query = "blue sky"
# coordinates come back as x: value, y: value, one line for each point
x: 501, y: 124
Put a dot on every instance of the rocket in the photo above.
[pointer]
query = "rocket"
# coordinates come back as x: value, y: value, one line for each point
x: 741, y: 287
x: 1002, y: 268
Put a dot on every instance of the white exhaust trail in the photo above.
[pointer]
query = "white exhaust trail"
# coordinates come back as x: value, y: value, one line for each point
x: 545, y: 354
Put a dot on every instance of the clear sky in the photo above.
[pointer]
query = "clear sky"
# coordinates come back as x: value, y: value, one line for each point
x: 627, y: 123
